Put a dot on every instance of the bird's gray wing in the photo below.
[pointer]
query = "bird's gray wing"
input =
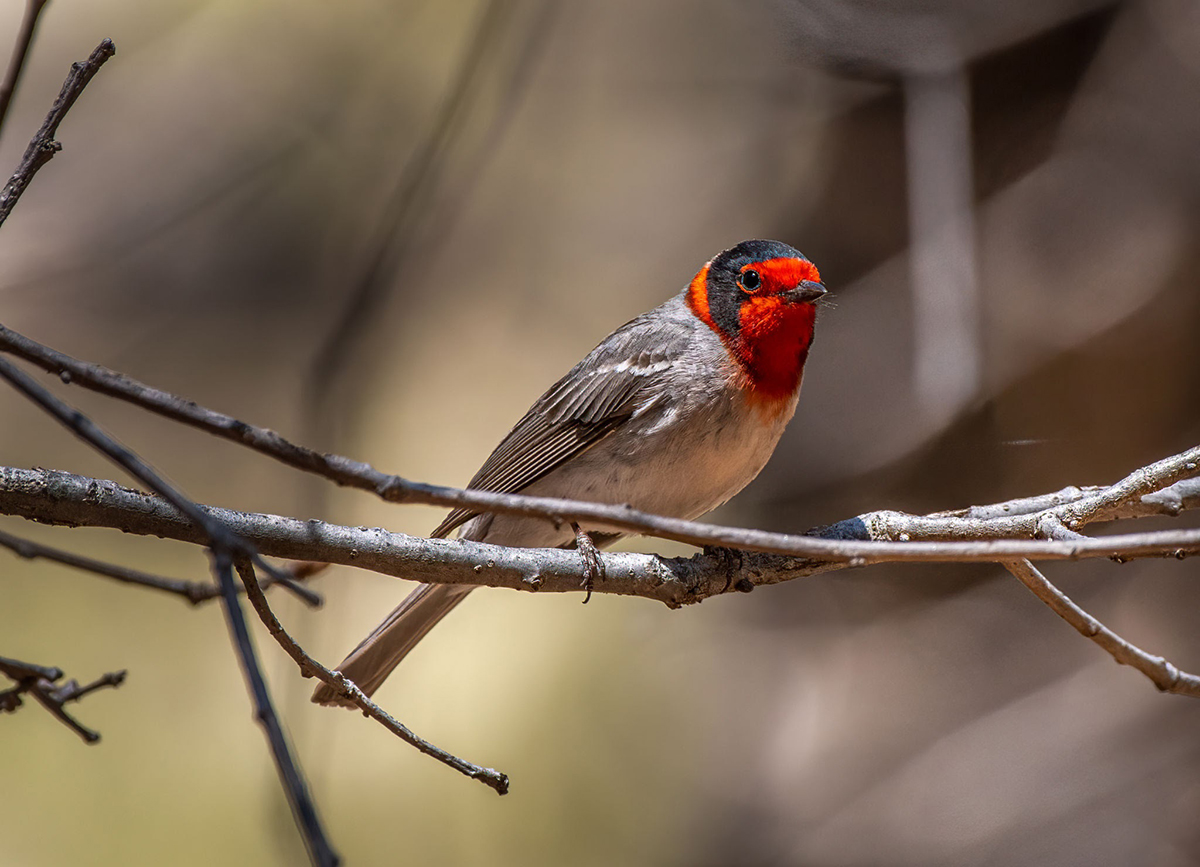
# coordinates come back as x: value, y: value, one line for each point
x: 578, y: 411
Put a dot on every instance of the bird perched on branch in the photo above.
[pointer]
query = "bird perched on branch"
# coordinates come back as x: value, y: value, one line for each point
x: 673, y: 413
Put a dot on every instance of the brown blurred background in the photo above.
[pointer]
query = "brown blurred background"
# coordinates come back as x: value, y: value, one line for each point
x: 385, y: 228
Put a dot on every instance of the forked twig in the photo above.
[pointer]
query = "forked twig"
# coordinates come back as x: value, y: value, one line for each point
x: 39, y: 681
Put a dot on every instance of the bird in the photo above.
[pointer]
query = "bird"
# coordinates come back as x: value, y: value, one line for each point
x: 673, y: 413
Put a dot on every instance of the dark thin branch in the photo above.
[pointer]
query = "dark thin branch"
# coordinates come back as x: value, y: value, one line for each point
x: 405, y: 198
x: 16, y: 63
x: 194, y: 592
x: 294, y: 786
x: 1164, y: 675
x: 309, y: 667
x: 61, y: 498
x: 224, y: 544
x: 39, y: 682
x: 43, y: 147
x: 53, y: 698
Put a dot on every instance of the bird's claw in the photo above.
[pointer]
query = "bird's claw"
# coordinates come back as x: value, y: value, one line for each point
x: 728, y: 561
x: 593, y: 566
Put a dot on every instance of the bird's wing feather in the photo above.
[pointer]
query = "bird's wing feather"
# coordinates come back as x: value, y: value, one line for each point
x: 578, y: 411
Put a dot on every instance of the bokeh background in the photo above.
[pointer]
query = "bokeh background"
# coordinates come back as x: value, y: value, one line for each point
x: 385, y: 228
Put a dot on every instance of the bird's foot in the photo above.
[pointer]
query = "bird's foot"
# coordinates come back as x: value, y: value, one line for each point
x: 728, y: 561
x: 593, y: 567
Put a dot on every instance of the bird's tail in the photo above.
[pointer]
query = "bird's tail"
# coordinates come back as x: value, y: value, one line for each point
x: 369, y: 664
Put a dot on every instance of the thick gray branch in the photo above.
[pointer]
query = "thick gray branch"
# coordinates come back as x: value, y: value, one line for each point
x: 62, y: 498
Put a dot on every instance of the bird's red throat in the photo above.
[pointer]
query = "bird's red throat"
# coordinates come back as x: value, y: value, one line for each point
x: 773, y: 335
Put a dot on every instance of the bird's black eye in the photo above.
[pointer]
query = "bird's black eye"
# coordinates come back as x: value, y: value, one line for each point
x: 750, y: 280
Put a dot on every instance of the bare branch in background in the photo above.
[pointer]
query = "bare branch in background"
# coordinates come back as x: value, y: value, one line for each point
x: 43, y: 147
x: 937, y: 123
x: 16, y: 63
x: 495, y: 61
x: 39, y: 681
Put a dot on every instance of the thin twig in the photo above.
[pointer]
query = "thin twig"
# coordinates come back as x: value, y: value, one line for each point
x: 17, y: 670
x: 39, y: 682
x: 224, y: 544
x: 16, y: 63
x: 1164, y: 675
x: 194, y: 592
x: 43, y: 147
x: 73, y: 691
x: 344, y: 687
x: 1021, y: 505
x: 361, y: 302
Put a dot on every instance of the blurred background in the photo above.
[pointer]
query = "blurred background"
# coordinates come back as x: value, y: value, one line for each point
x: 385, y: 228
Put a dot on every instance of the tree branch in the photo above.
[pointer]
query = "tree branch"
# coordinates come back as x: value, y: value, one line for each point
x: 1165, y: 676
x: 1017, y: 519
x: 43, y: 147
x: 53, y: 497
x: 346, y: 688
x: 294, y: 786
x: 39, y: 682
x: 194, y: 592
x: 1042, y: 527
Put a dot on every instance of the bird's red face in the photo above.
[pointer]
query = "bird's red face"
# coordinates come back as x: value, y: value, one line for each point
x: 759, y: 298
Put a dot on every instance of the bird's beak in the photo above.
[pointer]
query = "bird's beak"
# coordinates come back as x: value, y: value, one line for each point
x: 807, y: 292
